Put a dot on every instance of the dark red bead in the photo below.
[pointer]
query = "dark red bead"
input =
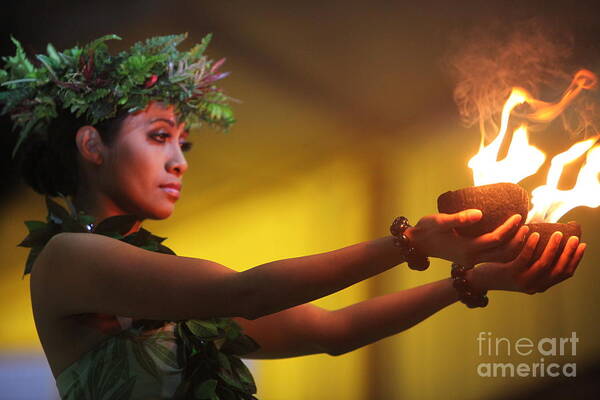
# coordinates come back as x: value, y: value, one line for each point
x: 460, y: 285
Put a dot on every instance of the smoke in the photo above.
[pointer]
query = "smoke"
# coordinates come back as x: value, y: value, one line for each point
x: 535, y: 55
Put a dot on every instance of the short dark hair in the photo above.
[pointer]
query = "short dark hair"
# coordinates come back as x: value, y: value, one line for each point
x: 48, y: 162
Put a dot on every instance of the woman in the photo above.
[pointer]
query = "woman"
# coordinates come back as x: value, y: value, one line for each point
x: 119, y: 321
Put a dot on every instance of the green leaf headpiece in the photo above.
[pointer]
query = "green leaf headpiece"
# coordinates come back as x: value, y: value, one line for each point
x: 91, y: 83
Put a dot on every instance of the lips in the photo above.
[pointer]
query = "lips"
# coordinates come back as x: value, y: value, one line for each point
x: 172, y: 189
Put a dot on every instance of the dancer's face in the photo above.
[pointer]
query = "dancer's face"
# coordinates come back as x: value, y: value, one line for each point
x: 145, y: 157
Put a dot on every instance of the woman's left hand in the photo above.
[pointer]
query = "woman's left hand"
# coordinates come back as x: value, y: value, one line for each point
x: 435, y: 236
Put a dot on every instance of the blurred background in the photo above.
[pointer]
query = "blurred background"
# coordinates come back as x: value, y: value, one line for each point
x: 346, y: 120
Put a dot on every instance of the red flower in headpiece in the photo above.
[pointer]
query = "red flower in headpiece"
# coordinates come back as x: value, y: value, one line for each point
x: 151, y: 81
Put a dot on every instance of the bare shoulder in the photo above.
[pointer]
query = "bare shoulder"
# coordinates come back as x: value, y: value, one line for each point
x: 62, y: 253
x: 63, y: 338
x: 89, y: 273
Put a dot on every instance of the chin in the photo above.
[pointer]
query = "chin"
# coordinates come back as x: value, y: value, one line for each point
x: 163, y: 213
x: 159, y: 212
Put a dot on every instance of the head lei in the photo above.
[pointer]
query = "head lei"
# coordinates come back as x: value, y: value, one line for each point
x: 92, y: 84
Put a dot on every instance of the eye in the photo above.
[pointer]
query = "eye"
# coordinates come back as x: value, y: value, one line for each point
x: 186, y: 146
x: 160, y: 137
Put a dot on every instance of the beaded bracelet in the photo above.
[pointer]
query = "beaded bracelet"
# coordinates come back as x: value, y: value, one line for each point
x: 466, y: 293
x: 414, y: 259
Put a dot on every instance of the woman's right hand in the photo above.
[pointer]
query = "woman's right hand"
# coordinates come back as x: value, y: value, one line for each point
x: 525, y: 275
x: 435, y: 236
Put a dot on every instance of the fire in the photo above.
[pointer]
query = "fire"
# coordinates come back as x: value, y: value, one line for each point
x: 486, y: 168
x: 523, y: 159
x: 550, y: 203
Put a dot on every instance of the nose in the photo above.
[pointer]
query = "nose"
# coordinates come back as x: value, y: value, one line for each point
x: 177, y: 164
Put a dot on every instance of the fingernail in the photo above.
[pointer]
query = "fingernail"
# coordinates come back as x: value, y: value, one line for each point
x: 524, y: 231
x: 474, y: 215
x: 557, y: 236
x: 518, y: 218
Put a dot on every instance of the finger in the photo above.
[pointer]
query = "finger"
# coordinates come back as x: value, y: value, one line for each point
x: 550, y: 252
x: 499, y: 235
x: 509, y: 251
x: 535, y: 273
x: 557, y: 273
x: 563, y: 262
x: 512, y: 249
x: 576, y: 259
x: 462, y: 218
x: 573, y: 263
x: 523, y: 260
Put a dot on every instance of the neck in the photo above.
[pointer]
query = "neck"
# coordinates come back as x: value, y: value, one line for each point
x: 100, y: 206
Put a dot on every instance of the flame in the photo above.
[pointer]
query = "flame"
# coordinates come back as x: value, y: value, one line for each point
x: 523, y: 159
x: 550, y: 203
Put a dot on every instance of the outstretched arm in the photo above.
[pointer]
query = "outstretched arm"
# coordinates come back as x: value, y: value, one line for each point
x: 309, y: 329
x: 82, y: 273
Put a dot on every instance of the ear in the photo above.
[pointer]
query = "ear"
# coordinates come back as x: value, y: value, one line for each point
x: 89, y: 143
